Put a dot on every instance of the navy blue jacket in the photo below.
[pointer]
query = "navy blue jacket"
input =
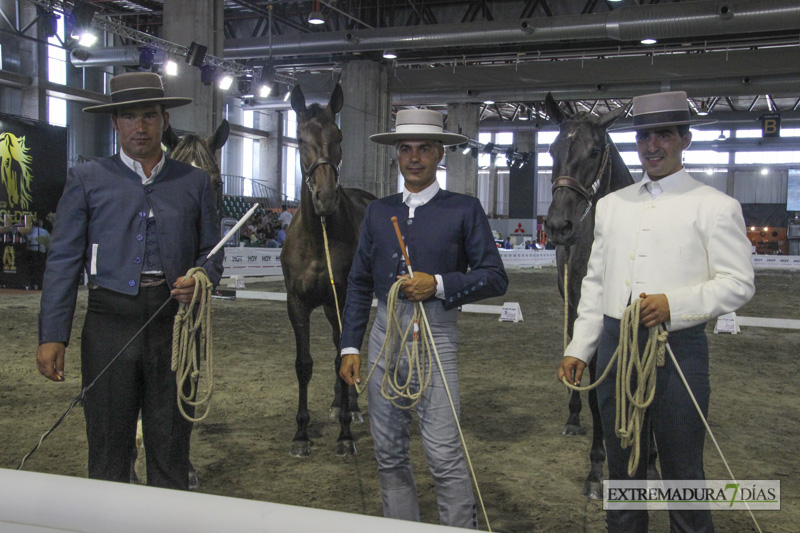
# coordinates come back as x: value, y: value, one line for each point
x: 449, y: 235
x: 100, y: 227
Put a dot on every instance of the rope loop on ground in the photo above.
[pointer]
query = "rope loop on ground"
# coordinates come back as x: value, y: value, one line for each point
x: 192, y: 343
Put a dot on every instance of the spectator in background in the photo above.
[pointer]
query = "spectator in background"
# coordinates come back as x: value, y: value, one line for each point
x: 281, y: 234
x: 285, y: 217
x: 507, y: 243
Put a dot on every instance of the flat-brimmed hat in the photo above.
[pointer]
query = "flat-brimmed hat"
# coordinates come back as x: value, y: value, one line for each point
x: 661, y: 109
x: 419, y: 124
x: 137, y: 88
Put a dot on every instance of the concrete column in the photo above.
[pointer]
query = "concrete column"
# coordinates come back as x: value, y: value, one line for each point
x: 200, y: 21
x: 462, y: 170
x: 33, y: 63
x: 366, y: 111
x: 522, y: 182
x: 494, y: 194
x: 271, y: 157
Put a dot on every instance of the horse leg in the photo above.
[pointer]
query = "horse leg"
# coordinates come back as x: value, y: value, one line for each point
x: 593, y: 486
x: 345, y: 444
x: 652, y: 454
x: 573, y: 425
x: 304, y: 366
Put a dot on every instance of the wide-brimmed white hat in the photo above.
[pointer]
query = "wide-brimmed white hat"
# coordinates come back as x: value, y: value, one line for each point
x: 661, y: 109
x: 419, y: 124
x: 135, y: 89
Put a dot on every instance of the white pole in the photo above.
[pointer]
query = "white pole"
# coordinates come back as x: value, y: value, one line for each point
x: 227, y: 236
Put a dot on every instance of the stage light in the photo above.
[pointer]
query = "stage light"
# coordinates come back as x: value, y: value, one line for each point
x: 244, y: 83
x: 315, y: 17
x: 648, y: 41
x: 208, y: 74
x: 225, y: 82
x: 80, y: 21
x: 488, y: 102
x: 146, y: 57
x: 287, y: 95
x: 389, y: 54
x: 264, y: 91
x: 49, y: 24
x: 466, y: 150
x: 171, y: 68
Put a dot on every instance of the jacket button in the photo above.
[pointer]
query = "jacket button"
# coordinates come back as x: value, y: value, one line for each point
x: 137, y: 260
x: 391, y: 275
x: 140, y: 237
x: 410, y: 221
x: 132, y: 283
x: 142, y: 214
x: 394, y: 255
x: 148, y: 190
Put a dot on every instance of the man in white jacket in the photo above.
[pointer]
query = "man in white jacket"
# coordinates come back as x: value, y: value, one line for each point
x: 682, y: 247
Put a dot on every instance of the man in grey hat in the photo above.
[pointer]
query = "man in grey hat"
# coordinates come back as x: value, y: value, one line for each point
x: 681, y: 247
x: 135, y: 222
x: 455, y: 262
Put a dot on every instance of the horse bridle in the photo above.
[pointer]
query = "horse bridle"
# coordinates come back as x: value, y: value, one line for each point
x: 316, y: 164
x: 588, y: 194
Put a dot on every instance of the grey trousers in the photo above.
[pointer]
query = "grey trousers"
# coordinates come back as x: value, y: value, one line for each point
x: 390, y: 427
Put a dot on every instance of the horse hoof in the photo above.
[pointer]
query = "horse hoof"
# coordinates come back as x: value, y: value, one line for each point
x: 593, y: 490
x: 333, y: 413
x: 345, y: 448
x: 356, y: 418
x: 194, y: 483
x: 300, y: 448
x: 571, y: 430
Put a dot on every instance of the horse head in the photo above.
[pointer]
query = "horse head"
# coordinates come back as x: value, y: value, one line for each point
x: 319, y: 141
x: 199, y: 152
x: 581, y: 159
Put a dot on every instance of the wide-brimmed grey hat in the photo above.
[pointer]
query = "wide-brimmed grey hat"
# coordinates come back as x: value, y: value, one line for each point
x: 137, y: 88
x: 661, y: 109
x: 419, y: 124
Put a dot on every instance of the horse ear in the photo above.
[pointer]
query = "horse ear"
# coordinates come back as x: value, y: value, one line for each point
x: 298, y: 100
x: 337, y: 100
x: 553, y: 110
x: 170, y: 138
x: 609, y: 118
x: 220, y: 137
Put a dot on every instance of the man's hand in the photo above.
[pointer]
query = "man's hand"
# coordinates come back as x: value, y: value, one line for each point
x: 654, y: 310
x: 572, y: 368
x: 50, y: 360
x: 184, y: 289
x: 350, y: 369
x: 419, y: 288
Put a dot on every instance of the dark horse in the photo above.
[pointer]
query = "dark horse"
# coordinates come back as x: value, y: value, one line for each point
x: 199, y: 153
x: 586, y: 167
x: 303, y: 258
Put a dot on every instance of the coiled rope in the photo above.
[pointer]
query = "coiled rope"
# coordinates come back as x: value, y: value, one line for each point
x: 631, y: 405
x: 191, y: 326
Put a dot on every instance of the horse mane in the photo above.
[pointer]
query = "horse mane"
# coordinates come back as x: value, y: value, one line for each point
x: 193, y: 150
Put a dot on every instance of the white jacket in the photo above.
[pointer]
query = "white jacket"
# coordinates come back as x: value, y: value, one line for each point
x: 689, y: 243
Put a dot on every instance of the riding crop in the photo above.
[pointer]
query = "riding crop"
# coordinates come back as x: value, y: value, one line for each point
x: 198, y: 286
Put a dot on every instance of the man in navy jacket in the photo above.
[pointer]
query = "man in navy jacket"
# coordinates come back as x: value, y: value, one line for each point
x: 135, y: 222
x: 455, y: 262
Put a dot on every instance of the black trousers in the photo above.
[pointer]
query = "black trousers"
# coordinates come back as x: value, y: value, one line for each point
x: 678, y: 429
x: 140, y: 378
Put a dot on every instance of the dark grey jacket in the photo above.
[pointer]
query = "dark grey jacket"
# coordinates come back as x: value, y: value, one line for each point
x: 100, y: 227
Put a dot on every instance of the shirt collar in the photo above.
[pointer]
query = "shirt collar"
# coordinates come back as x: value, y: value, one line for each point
x: 417, y: 199
x: 137, y: 167
x: 667, y: 183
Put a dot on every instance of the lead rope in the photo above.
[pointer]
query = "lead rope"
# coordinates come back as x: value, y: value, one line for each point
x: 188, y: 327
x: 629, y: 418
x: 330, y: 272
x: 420, y: 363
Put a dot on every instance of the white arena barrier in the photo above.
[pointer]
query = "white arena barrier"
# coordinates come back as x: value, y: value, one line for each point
x: 35, y: 502
x: 259, y: 262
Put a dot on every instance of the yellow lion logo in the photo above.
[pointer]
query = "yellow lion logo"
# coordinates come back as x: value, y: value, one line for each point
x: 9, y: 259
x: 15, y: 170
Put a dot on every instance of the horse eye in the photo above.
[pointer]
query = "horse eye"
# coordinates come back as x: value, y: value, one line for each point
x: 595, y: 152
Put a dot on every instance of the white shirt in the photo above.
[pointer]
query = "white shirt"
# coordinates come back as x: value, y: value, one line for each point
x: 688, y: 243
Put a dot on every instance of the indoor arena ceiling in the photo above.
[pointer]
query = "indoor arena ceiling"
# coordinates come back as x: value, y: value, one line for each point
x: 735, y: 58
